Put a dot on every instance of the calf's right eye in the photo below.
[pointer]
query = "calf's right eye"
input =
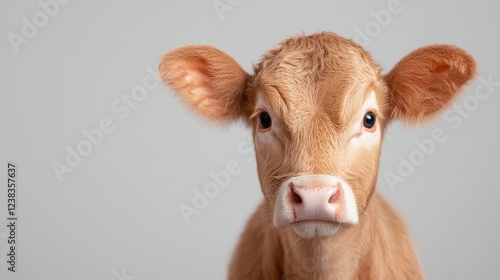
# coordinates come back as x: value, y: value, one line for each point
x: 265, y: 120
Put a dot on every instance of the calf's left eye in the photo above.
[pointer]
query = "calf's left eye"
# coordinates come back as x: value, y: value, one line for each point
x: 369, y: 120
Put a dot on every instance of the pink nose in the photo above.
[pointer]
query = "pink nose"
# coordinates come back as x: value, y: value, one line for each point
x: 310, y: 202
x: 315, y: 197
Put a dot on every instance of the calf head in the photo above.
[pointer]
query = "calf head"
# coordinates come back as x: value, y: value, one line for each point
x: 318, y: 106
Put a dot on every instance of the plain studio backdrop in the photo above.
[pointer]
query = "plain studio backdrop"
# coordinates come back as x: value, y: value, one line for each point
x: 106, y: 155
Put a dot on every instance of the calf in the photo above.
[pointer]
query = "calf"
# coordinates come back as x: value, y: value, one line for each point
x: 318, y: 106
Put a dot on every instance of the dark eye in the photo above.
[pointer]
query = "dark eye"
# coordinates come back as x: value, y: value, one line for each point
x: 265, y: 120
x: 369, y: 120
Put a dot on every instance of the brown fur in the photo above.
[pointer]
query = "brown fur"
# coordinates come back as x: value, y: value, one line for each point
x: 313, y: 87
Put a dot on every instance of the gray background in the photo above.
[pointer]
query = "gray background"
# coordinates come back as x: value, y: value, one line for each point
x: 116, y: 215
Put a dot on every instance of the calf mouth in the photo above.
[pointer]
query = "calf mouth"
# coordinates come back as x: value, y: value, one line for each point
x: 315, y: 228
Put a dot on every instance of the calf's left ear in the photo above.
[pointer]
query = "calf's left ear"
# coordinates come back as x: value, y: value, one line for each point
x: 426, y: 80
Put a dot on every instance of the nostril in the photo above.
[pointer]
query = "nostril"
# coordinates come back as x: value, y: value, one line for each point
x: 335, y: 196
x: 295, y: 197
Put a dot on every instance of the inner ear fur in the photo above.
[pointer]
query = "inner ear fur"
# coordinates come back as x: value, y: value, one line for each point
x: 426, y: 80
x: 208, y: 80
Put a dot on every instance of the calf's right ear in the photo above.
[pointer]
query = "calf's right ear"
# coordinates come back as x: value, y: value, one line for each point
x: 208, y: 80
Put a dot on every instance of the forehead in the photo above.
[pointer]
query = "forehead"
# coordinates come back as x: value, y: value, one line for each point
x: 321, y: 72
